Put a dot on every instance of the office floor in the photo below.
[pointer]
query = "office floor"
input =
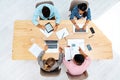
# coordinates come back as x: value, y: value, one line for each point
x: 11, y: 10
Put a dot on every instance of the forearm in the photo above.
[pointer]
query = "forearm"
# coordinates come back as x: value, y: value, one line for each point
x: 73, y: 21
x: 61, y: 55
x: 39, y: 26
x: 40, y: 56
x: 82, y: 52
x: 87, y: 21
x: 56, y: 25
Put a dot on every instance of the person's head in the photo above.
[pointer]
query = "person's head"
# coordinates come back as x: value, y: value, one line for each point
x: 82, y: 9
x: 49, y: 63
x: 45, y: 11
x: 79, y: 59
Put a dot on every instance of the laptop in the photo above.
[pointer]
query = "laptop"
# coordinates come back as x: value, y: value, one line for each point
x: 79, y: 31
x: 52, y: 46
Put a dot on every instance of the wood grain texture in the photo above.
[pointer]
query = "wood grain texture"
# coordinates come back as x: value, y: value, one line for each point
x: 25, y: 31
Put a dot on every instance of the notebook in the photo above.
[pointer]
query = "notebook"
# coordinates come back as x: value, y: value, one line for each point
x: 35, y: 50
x: 73, y: 49
x: 62, y: 33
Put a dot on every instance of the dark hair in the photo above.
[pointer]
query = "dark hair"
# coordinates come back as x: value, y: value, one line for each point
x: 82, y: 6
x: 46, y: 11
x: 85, y: 14
x: 79, y: 59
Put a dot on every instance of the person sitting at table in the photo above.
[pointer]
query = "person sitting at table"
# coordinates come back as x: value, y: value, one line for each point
x: 50, y: 65
x: 80, y: 11
x: 78, y: 65
x: 46, y: 12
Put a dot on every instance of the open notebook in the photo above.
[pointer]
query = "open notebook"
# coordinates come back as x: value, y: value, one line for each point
x: 73, y: 49
x: 62, y: 33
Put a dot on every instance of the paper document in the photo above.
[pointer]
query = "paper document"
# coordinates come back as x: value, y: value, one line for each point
x: 70, y: 52
x: 80, y: 26
x: 74, y: 48
x: 35, y: 50
x: 62, y: 33
x: 76, y: 43
x: 46, y: 33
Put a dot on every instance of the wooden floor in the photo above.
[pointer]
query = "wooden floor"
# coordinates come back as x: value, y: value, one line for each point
x: 11, y: 10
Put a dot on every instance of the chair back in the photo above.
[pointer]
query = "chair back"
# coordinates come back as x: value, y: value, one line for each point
x: 76, y: 2
x: 44, y: 2
x: 49, y: 74
x: 78, y: 77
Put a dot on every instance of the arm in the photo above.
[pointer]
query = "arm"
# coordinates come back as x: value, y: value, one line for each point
x: 82, y: 52
x: 57, y: 17
x: 35, y: 17
x: 40, y: 62
x: 72, y: 19
x: 39, y: 58
x: 88, y: 19
x: 61, y: 55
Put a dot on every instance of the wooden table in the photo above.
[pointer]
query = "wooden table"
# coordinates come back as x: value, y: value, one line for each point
x: 25, y: 34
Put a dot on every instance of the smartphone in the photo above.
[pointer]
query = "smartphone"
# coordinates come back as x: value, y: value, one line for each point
x: 92, y: 30
x: 89, y: 47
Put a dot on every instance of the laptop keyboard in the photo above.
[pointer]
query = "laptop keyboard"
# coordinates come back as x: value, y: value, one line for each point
x: 52, y: 44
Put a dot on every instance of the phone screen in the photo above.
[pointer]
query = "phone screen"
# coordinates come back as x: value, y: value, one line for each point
x: 89, y: 47
x: 92, y: 30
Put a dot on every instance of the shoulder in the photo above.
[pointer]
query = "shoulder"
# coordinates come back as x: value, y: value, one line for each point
x: 75, y: 7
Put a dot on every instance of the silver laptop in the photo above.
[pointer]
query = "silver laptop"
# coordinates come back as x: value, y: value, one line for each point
x: 52, y: 46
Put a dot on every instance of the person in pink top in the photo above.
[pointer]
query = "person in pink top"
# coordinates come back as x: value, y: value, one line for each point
x: 78, y: 65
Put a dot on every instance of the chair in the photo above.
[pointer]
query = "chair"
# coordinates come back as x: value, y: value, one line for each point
x: 76, y: 2
x: 78, y: 77
x: 48, y: 74
x: 48, y: 2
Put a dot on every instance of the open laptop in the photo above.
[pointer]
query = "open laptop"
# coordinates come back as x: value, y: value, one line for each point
x: 52, y: 46
x: 79, y: 31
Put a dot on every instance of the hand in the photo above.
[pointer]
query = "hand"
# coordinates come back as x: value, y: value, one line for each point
x: 77, y: 27
x: 60, y: 49
x: 56, y: 26
x: 80, y: 49
x: 41, y: 26
x: 45, y: 47
x: 84, y: 27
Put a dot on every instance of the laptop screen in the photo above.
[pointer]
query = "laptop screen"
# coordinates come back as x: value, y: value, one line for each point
x: 52, y: 44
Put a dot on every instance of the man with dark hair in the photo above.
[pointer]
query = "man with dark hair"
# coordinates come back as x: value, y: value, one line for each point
x: 46, y: 12
x: 79, y: 59
x: 78, y: 64
x: 79, y: 11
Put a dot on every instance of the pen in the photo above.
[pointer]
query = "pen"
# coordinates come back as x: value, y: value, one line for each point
x: 91, y: 36
x: 63, y: 35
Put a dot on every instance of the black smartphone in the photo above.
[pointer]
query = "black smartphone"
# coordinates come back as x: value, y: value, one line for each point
x: 89, y: 47
x: 92, y: 30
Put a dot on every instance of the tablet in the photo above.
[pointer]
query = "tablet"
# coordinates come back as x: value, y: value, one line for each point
x: 48, y: 27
